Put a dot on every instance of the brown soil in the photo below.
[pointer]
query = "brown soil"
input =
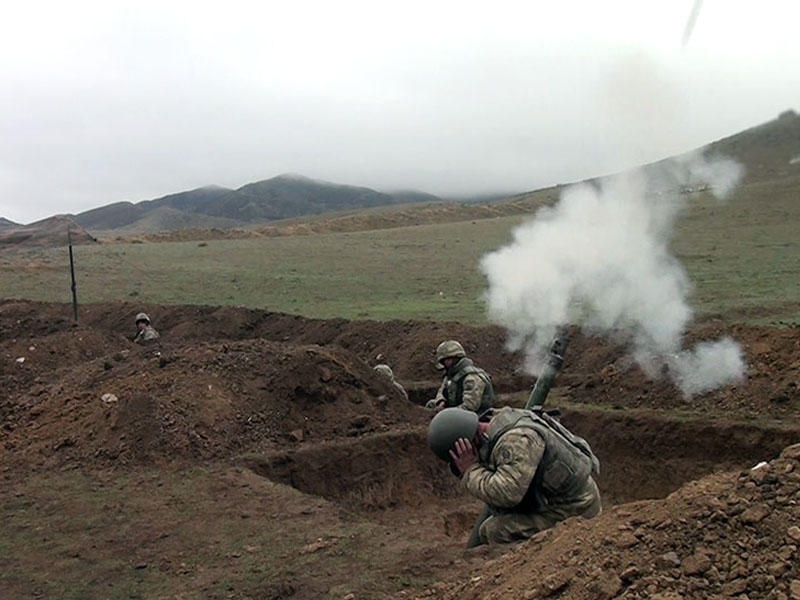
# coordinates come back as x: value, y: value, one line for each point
x: 282, y: 431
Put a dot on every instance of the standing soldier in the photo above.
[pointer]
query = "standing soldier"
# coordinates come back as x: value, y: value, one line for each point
x: 145, y: 332
x: 464, y: 385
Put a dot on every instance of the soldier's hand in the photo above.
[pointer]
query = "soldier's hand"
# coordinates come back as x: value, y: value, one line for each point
x: 463, y: 454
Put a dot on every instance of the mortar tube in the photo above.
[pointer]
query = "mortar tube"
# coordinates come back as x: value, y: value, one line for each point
x: 545, y: 380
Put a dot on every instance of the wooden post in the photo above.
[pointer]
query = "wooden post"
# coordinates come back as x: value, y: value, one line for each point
x: 72, y: 275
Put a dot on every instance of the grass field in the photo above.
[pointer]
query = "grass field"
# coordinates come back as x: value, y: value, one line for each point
x: 413, y: 272
x: 742, y: 258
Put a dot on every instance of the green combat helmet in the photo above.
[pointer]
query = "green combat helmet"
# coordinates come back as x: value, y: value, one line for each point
x: 449, y: 349
x: 143, y: 317
x: 448, y: 426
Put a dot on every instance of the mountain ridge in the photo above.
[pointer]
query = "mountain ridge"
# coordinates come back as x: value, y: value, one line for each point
x: 6, y: 223
x: 769, y: 152
x: 58, y: 230
x: 284, y: 196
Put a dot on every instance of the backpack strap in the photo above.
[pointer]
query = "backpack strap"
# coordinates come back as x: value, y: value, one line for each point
x: 545, y: 419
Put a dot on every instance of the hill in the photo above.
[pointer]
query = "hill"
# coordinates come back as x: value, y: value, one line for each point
x: 126, y: 214
x: 166, y: 218
x: 50, y: 232
x: 769, y: 151
x: 294, y: 204
x: 769, y: 154
x: 281, y: 197
x: 6, y: 224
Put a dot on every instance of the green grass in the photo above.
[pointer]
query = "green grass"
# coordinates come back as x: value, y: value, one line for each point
x: 426, y: 272
x: 742, y: 258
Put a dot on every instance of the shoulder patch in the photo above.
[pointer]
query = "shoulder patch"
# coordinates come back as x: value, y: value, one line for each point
x: 504, y: 455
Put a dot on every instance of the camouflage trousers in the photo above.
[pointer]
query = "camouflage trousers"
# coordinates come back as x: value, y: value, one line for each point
x: 503, y: 528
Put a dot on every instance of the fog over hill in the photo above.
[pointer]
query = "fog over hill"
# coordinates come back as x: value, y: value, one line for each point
x: 281, y: 197
x: 768, y: 152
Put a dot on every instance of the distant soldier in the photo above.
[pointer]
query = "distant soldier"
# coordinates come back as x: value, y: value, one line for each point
x: 464, y: 385
x: 528, y: 468
x: 145, y: 331
x: 386, y: 371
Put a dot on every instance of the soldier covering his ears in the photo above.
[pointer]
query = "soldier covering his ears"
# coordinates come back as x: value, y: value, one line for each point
x: 529, y: 470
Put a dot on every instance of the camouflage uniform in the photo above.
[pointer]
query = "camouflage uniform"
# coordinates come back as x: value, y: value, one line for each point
x: 146, y: 333
x: 386, y: 370
x: 530, y: 478
x: 466, y: 386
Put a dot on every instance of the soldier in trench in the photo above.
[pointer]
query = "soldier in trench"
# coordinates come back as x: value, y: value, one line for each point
x: 387, y: 372
x: 464, y: 385
x: 144, y: 330
x: 528, y: 469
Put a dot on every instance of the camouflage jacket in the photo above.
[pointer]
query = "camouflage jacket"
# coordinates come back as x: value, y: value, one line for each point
x: 466, y: 386
x: 524, y: 466
x: 146, y: 334
x: 386, y: 371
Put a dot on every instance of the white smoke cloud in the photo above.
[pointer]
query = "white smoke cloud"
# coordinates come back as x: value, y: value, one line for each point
x: 707, y: 365
x: 600, y: 259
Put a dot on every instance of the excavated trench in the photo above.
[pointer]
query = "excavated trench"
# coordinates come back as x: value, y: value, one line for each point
x: 643, y: 456
x: 229, y: 380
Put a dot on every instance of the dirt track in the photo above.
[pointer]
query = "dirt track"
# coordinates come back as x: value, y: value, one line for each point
x: 288, y: 417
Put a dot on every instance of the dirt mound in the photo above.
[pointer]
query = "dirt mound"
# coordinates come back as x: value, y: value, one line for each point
x: 407, y: 346
x: 599, y: 372
x: 596, y: 371
x: 223, y: 380
x: 167, y: 402
x: 29, y: 363
x: 730, y: 535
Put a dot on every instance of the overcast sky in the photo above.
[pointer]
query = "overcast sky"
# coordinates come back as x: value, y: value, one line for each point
x: 108, y: 101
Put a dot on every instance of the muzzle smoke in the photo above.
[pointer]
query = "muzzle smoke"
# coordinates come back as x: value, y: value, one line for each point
x: 599, y: 259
